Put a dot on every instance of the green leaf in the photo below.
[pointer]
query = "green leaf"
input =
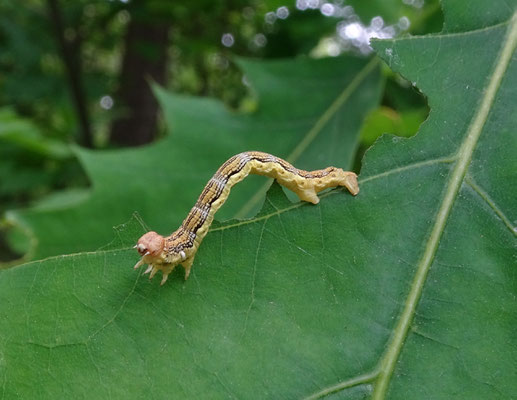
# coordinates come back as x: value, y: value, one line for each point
x: 461, y: 16
x: 387, y: 120
x: 309, y: 112
x: 406, y: 291
x: 455, y: 327
x: 25, y: 135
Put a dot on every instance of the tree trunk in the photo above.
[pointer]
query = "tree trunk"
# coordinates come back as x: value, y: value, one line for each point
x: 70, y: 52
x: 144, y: 61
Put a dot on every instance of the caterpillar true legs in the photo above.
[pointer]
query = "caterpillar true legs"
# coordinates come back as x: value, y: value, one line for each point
x: 165, y: 253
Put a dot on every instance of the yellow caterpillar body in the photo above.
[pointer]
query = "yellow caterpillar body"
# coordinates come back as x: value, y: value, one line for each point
x: 164, y: 253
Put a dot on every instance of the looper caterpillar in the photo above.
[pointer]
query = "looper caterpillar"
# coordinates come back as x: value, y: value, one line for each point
x: 164, y: 253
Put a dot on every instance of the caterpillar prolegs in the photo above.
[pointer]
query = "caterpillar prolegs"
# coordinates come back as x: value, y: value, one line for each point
x: 165, y: 253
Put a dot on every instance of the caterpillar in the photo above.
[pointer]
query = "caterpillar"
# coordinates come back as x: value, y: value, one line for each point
x: 180, y: 247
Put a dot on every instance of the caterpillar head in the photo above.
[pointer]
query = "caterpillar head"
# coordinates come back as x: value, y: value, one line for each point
x: 151, y: 246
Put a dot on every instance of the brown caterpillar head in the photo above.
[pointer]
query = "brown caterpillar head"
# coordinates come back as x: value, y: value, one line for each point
x: 151, y: 244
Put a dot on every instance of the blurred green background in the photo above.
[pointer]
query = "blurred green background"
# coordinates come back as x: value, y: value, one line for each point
x: 80, y: 73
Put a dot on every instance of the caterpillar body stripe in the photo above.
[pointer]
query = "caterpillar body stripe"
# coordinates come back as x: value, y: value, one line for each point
x: 165, y: 253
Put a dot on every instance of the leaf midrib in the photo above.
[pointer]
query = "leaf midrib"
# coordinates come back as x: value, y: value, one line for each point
x: 388, y: 361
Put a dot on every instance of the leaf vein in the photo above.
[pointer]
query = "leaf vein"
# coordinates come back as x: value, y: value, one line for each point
x: 486, y: 198
x: 355, y: 381
x: 252, y: 300
x: 112, y: 319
